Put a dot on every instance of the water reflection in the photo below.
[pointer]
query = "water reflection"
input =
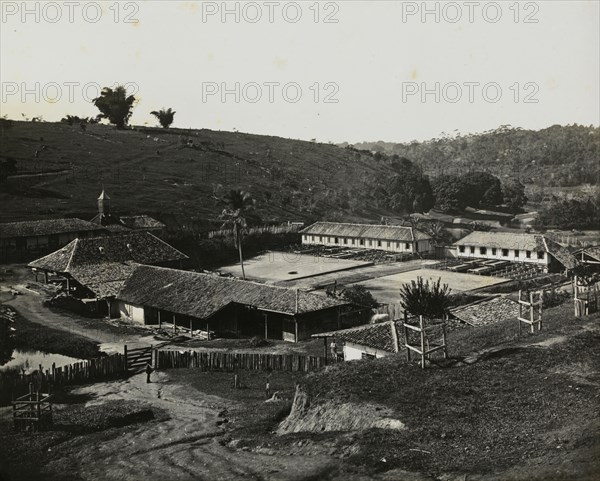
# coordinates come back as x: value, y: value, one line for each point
x: 31, y: 360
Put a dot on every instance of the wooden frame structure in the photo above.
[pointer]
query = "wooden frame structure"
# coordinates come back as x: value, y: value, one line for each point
x: 33, y: 411
x: 589, y: 304
x: 425, y: 348
x: 528, y: 307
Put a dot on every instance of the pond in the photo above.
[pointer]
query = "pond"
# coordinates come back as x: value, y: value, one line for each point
x: 31, y: 360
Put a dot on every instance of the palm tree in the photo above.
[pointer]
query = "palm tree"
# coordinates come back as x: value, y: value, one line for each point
x: 165, y: 117
x: 238, y: 202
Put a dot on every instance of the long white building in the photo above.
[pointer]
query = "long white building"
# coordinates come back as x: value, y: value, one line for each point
x: 515, y: 247
x: 391, y: 238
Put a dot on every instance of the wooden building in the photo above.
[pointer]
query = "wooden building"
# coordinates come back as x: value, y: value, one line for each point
x: 516, y: 247
x: 94, y: 269
x: 589, y: 256
x: 23, y: 241
x: 226, y: 306
x: 391, y: 238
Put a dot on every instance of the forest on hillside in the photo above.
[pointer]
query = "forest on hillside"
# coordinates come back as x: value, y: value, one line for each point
x: 556, y: 156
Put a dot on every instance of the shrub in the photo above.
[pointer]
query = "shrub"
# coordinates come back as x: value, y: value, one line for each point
x: 422, y: 298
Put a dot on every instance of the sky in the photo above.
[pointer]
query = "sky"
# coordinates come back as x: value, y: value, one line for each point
x: 332, y: 71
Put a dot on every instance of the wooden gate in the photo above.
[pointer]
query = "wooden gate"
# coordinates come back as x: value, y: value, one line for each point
x: 137, y: 359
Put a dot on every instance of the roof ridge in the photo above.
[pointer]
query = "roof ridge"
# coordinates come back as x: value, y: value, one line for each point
x: 75, y: 243
x: 362, y: 225
x: 168, y: 245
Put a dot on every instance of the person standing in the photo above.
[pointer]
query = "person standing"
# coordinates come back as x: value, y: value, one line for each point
x: 149, y: 371
x: 333, y: 348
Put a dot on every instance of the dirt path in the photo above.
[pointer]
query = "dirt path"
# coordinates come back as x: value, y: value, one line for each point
x: 184, y: 447
x: 29, y: 305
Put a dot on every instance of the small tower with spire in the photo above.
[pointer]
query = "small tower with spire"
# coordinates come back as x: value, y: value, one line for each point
x: 103, y: 205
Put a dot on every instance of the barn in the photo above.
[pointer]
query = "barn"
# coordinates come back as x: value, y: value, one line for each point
x: 391, y: 238
x: 227, y: 306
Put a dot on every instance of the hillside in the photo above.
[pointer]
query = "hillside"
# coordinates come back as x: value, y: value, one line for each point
x: 556, y: 156
x: 180, y: 175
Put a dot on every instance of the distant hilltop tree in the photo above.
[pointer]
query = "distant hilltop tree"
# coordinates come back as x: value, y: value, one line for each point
x: 115, y: 105
x: 165, y: 117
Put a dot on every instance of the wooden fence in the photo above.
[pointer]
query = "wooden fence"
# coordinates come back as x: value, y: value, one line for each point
x: 80, y: 372
x: 230, y: 361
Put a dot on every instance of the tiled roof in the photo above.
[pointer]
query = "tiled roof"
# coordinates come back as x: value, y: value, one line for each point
x: 520, y: 241
x: 593, y: 252
x: 46, y: 227
x: 202, y: 295
x: 560, y: 253
x: 142, y: 222
x: 378, y: 336
x: 140, y: 247
x: 102, y: 264
x: 366, y: 231
x: 504, y: 240
x: 487, y: 312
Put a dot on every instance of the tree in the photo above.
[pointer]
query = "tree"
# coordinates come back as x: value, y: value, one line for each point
x: 514, y: 195
x: 423, y: 299
x: 238, y: 202
x: 360, y: 296
x: 409, y: 190
x: 165, y: 117
x: 115, y: 105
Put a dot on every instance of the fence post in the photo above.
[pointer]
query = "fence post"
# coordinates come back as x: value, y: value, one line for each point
x: 125, y: 356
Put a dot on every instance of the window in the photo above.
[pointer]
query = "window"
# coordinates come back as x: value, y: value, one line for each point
x: 483, y: 250
x: 312, y: 238
x: 320, y: 238
x: 345, y: 241
x: 505, y: 252
x: 364, y: 355
x: 337, y: 240
x: 407, y: 246
x: 371, y: 243
x: 305, y: 238
x: 389, y: 244
x: 472, y: 250
x: 362, y: 242
x: 528, y: 254
x: 540, y: 255
x: 353, y: 241
x: 378, y: 243
x: 494, y: 250
x: 461, y: 249
x: 516, y: 252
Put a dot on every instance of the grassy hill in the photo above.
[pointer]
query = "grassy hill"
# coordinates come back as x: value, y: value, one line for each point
x: 180, y: 175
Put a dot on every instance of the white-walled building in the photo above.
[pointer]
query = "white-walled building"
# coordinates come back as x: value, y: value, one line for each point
x: 369, y: 341
x: 515, y: 247
x: 391, y: 238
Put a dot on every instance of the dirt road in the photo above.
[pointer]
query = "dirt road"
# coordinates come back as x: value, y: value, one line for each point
x: 184, y: 447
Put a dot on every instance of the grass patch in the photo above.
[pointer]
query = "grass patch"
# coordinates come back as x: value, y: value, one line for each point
x: 494, y: 414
